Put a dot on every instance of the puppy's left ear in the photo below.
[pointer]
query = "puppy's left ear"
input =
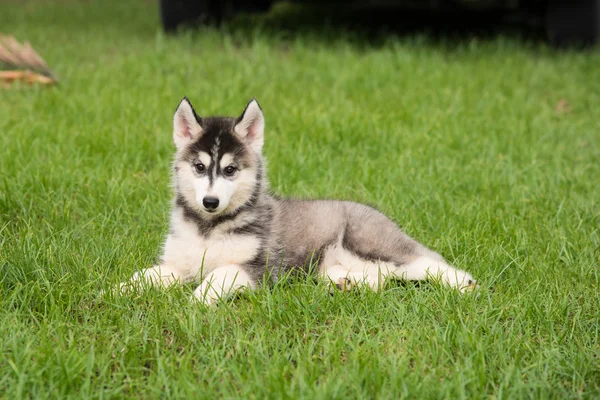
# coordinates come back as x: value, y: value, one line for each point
x: 186, y: 124
x: 250, y: 126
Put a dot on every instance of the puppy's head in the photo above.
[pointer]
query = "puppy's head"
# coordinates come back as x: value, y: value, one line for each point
x: 217, y: 162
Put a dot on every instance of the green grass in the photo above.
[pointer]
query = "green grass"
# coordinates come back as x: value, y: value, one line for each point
x: 460, y: 142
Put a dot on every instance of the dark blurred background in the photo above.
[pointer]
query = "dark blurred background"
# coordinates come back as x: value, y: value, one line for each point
x: 561, y: 22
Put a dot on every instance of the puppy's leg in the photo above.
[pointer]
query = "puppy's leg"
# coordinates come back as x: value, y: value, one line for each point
x: 222, y: 282
x: 158, y: 276
x: 343, y: 279
x: 423, y: 268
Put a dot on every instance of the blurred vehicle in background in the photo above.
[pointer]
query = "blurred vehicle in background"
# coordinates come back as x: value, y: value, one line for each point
x: 565, y: 21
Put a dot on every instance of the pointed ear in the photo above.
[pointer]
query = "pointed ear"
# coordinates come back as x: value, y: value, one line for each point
x: 250, y: 126
x: 187, y: 126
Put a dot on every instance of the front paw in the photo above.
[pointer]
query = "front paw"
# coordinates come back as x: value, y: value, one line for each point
x: 205, y: 296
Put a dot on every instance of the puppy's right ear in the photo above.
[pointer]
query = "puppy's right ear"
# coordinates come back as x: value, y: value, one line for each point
x: 187, y: 126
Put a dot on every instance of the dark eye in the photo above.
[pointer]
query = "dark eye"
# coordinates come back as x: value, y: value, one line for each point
x: 230, y: 170
x: 200, y: 167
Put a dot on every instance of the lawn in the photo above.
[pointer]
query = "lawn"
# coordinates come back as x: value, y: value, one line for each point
x: 486, y: 150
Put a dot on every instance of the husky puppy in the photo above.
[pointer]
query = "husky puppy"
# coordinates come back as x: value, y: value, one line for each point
x: 227, y: 230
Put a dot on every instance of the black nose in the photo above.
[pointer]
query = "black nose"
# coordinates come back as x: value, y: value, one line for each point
x: 210, y: 203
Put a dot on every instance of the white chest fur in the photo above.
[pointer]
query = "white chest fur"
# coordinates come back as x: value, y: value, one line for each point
x: 195, y: 256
